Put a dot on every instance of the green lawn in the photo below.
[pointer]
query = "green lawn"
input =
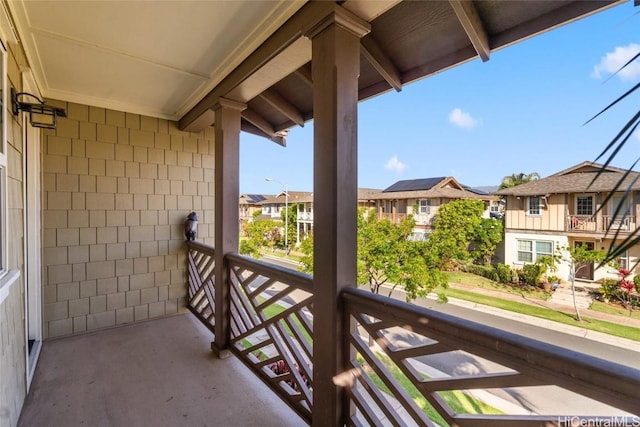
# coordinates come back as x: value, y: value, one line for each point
x: 460, y: 402
x: 545, y: 313
x: 613, y: 308
x: 468, y: 279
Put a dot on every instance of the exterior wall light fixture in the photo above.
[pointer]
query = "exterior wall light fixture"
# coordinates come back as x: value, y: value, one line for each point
x: 40, y: 114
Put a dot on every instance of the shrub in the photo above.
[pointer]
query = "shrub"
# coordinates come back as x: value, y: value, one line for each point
x: 609, y: 289
x: 532, y: 274
x: 636, y: 282
x: 487, y: 271
x: 504, y: 272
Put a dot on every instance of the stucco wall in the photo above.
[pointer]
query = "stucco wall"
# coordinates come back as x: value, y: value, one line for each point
x: 117, y: 188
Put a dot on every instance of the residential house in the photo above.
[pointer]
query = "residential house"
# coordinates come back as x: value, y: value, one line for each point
x: 576, y: 206
x: 422, y: 198
x: 145, y: 105
x: 248, y: 205
x: 274, y: 205
x: 366, y: 199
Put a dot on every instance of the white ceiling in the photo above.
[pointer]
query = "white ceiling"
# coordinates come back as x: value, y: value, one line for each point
x: 156, y: 58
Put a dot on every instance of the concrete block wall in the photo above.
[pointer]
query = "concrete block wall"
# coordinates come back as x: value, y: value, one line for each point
x: 117, y: 188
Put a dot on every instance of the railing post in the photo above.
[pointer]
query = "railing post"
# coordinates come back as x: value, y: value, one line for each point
x: 227, y: 195
x: 335, y: 70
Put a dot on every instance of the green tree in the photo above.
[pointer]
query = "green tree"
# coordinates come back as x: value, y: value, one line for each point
x: 306, y: 247
x: 387, y: 256
x: 260, y: 234
x: 457, y: 225
x: 517, y: 179
x: 488, y: 235
x: 581, y: 257
x: 291, y: 216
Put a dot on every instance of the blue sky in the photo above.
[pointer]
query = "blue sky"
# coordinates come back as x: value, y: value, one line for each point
x: 522, y: 111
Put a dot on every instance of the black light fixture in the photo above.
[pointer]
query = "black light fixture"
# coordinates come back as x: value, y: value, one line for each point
x: 40, y: 114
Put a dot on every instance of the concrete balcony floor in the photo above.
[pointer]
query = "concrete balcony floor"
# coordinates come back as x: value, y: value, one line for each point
x: 155, y: 373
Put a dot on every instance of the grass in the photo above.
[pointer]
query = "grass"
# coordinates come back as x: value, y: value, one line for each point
x: 275, y: 309
x: 459, y: 401
x: 612, y: 308
x: 468, y: 279
x: 622, y: 331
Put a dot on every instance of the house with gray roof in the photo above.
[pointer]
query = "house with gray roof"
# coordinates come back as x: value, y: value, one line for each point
x: 422, y: 198
x: 572, y: 207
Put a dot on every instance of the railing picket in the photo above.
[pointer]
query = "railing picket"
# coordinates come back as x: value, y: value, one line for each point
x: 272, y: 328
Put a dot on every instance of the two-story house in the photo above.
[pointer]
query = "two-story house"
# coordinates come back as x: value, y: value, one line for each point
x: 572, y: 207
x: 422, y: 198
x: 248, y: 205
x: 304, y: 222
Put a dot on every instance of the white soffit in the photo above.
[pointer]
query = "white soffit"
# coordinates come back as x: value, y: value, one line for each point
x: 156, y: 58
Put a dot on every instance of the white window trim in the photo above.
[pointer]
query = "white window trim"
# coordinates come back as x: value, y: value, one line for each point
x: 593, y: 204
x: 539, y: 206
x: 427, y: 206
x: 3, y: 163
x: 534, y: 252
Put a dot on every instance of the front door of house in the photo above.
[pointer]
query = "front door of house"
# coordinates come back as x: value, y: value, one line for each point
x: 585, y: 272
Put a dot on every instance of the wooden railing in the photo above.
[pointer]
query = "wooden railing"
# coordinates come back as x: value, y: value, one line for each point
x: 394, y: 343
x: 305, y: 216
x: 394, y: 349
x: 600, y: 223
x: 396, y: 218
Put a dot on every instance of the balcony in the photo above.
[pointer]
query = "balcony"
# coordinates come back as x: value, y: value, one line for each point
x: 395, y: 218
x: 156, y: 373
x: 389, y: 374
x: 600, y: 223
x: 305, y: 216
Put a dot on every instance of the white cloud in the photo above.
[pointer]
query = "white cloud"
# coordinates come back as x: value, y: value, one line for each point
x: 462, y: 119
x: 395, y: 165
x: 613, y: 61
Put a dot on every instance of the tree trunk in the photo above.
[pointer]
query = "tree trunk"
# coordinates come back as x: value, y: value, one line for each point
x: 573, y: 294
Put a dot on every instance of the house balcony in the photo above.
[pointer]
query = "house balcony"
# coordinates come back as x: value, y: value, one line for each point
x: 600, y: 224
x: 305, y: 216
x: 387, y: 354
x: 394, y: 217
x: 161, y: 372
x: 155, y: 373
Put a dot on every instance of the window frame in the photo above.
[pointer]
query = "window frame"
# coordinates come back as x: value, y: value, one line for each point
x: 530, y: 212
x: 533, y: 250
x: 426, y: 206
x: 3, y: 160
x: 577, y: 204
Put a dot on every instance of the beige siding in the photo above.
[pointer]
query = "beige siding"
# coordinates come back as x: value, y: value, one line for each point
x: 12, y: 327
x: 552, y: 216
x: 12, y: 357
x: 117, y: 188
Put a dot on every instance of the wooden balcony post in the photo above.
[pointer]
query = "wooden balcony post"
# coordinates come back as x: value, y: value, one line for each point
x: 335, y: 70
x: 227, y: 190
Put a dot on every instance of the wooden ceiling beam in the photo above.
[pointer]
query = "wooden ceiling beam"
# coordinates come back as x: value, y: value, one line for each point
x: 258, y: 121
x: 472, y: 24
x: 381, y: 62
x: 285, y: 107
x: 304, y: 73
x: 283, y: 37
